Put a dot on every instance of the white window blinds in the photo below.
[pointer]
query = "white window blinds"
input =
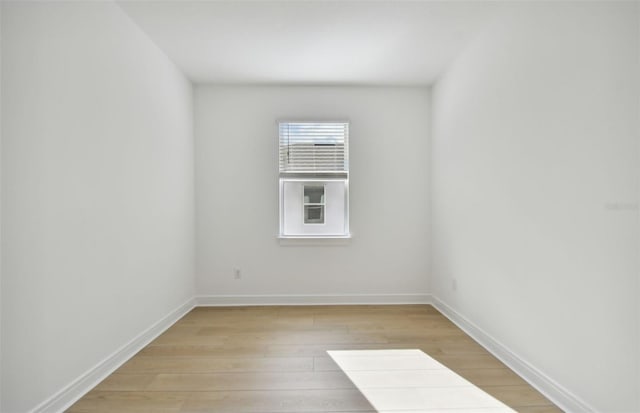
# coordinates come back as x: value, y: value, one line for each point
x: 314, y: 147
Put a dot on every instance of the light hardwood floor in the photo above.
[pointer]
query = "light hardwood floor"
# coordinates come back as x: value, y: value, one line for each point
x: 273, y: 359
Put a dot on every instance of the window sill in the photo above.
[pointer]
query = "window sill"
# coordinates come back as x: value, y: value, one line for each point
x: 300, y: 240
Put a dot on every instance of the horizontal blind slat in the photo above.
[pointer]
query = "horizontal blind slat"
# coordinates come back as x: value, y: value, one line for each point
x: 313, y: 147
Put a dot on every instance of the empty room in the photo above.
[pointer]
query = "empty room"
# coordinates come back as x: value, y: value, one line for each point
x: 313, y: 206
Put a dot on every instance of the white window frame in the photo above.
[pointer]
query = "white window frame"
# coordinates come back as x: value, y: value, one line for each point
x: 313, y: 178
x: 310, y: 180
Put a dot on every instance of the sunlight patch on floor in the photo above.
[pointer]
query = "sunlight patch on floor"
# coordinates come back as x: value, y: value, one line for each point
x: 411, y: 381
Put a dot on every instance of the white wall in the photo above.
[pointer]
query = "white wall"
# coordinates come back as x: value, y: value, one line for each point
x: 535, y: 192
x: 237, y: 192
x: 97, y: 178
x: 0, y: 205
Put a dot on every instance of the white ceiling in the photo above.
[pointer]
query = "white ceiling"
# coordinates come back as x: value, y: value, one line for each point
x: 311, y: 42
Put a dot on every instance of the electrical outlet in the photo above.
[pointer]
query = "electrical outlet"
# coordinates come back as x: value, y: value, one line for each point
x: 236, y: 273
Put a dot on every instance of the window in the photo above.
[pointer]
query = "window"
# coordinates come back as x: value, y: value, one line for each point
x: 314, y: 179
x: 313, y: 204
x: 313, y: 148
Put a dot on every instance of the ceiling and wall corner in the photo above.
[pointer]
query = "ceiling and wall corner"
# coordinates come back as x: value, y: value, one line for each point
x: 346, y: 43
x: 263, y: 44
x: 311, y: 42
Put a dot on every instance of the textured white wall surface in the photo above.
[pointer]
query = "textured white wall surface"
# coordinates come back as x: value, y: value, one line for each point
x: 535, y: 192
x: 97, y: 168
x: 237, y: 191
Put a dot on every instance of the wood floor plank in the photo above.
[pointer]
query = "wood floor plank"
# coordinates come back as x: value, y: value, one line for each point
x: 492, y: 377
x: 469, y: 361
x: 182, y: 350
x: 311, y: 337
x: 274, y: 359
x: 320, y: 350
x: 129, y: 402
x: 193, y: 364
x: 517, y: 396
x: 539, y: 409
x: 125, y: 382
x: 250, y: 381
x: 284, y: 401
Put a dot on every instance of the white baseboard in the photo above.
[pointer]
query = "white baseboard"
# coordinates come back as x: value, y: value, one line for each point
x: 71, y: 393
x: 312, y: 299
x: 551, y: 389
x: 547, y: 386
x: 79, y: 387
